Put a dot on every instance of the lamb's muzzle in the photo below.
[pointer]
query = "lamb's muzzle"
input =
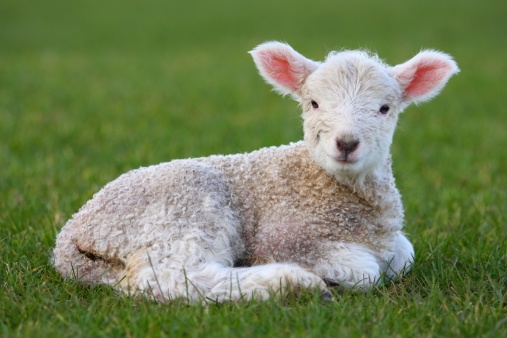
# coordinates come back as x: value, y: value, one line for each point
x: 346, y: 147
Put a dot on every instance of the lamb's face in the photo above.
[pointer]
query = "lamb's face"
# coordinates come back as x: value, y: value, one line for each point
x: 352, y: 100
x: 350, y: 109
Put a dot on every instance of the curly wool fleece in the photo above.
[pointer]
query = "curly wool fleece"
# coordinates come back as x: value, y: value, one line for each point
x: 253, y: 225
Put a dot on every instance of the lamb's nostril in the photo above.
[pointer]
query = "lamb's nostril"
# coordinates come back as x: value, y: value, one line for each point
x: 347, y: 146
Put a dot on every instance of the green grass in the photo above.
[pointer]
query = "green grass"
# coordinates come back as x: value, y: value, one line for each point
x: 91, y: 89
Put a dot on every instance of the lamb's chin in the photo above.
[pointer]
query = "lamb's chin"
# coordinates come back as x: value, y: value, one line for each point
x: 346, y: 171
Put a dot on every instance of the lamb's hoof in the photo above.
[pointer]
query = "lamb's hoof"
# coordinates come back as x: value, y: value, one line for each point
x: 330, y: 282
x: 334, y: 285
x: 327, y: 296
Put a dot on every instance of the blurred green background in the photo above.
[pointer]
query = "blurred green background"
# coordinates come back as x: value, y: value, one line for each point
x: 91, y: 89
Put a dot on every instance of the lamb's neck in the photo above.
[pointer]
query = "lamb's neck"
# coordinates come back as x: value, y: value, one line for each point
x: 369, y: 187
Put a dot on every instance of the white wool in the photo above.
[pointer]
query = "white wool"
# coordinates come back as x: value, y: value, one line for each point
x: 264, y: 223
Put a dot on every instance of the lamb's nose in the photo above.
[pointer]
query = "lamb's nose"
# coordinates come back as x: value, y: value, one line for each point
x: 347, y: 146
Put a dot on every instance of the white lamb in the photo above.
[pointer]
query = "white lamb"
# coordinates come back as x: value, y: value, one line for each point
x: 317, y: 212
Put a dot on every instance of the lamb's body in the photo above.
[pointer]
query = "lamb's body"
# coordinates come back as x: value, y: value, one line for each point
x: 298, y: 214
x: 180, y: 229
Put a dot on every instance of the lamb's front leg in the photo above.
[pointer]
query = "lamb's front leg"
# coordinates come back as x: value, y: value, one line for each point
x: 351, y: 265
x: 355, y: 266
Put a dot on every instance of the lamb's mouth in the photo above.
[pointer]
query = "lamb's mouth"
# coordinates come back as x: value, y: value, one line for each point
x: 344, y: 160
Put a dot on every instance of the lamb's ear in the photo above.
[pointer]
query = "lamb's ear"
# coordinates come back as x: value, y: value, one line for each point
x: 283, y: 67
x: 422, y: 77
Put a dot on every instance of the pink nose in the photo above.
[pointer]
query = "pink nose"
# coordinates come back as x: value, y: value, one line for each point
x: 347, y: 146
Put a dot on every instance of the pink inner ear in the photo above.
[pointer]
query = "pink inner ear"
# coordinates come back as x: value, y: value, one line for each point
x: 279, y: 69
x: 427, y: 78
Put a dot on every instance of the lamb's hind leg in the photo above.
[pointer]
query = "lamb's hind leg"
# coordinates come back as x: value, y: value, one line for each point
x: 164, y: 279
x: 199, y: 268
x: 260, y: 282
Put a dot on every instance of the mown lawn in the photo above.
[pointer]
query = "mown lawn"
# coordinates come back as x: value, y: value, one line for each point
x: 91, y: 89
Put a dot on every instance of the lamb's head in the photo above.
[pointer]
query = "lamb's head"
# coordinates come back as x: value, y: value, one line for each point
x: 351, y: 101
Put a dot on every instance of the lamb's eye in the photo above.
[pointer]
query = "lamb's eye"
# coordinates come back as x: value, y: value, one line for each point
x: 315, y: 104
x: 384, y: 109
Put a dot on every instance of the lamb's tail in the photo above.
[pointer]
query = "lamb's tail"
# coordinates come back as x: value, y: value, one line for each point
x: 75, y: 260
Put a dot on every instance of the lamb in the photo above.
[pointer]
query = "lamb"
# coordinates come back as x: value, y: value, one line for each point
x: 319, y: 212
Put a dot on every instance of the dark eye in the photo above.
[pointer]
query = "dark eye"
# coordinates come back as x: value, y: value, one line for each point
x: 384, y: 109
x: 315, y: 104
